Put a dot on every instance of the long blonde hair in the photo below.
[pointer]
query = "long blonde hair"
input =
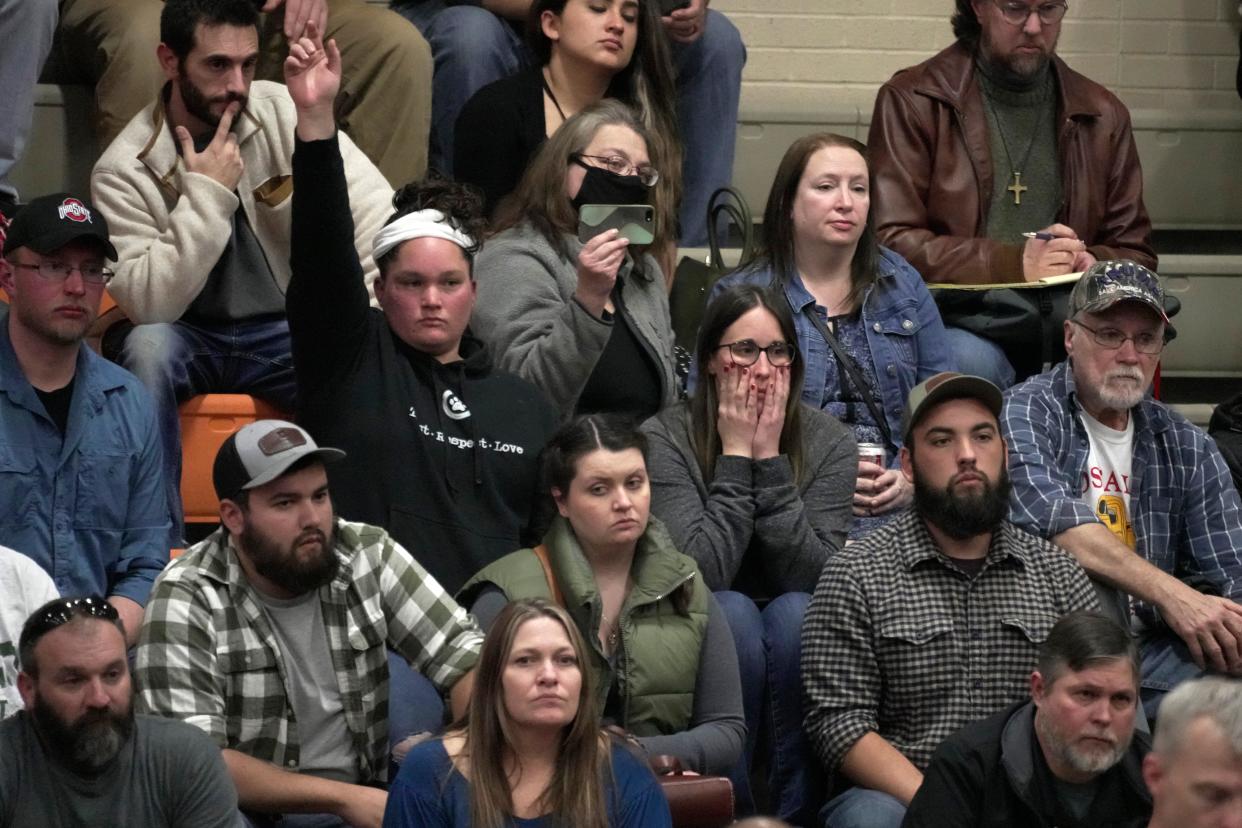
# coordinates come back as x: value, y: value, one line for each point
x: 576, y: 795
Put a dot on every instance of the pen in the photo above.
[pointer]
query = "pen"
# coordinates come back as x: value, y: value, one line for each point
x: 1041, y: 236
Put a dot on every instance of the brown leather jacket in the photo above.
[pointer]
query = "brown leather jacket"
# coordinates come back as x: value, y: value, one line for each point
x: 932, y: 167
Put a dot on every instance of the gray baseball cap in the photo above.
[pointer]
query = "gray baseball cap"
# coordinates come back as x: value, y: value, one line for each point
x: 261, y: 452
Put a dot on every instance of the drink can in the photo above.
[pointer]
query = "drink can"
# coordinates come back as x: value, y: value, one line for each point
x: 872, y: 452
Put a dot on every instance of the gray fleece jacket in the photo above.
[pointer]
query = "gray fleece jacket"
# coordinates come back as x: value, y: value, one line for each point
x: 527, y: 312
x: 754, y: 528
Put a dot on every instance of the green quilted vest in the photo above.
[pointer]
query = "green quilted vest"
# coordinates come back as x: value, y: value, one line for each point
x: 657, y: 657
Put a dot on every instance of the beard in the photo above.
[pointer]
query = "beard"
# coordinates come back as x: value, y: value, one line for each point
x: 962, y: 516
x: 282, y: 566
x: 1121, y: 389
x: 1015, y: 70
x: 199, y: 105
x: 1061, y: 746
x: 86, y: 746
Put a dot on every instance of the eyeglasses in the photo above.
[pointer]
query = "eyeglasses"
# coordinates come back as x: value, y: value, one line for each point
x: 1112, y: 339
x: 59, y: 272
x: 1018, y: 13
x: 617, y: 165
x: 64, y: 610
x: 746, y: 352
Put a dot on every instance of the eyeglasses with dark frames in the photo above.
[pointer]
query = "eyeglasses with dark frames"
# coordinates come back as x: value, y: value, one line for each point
x: 746, y: 352
x: 59, y: 272
x: 1017, y: 12
x: 1112, y: 339
x: 617, y: 165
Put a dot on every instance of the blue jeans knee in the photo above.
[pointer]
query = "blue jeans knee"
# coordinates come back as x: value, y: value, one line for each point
x: 980, y: 357
x: 862, y: 808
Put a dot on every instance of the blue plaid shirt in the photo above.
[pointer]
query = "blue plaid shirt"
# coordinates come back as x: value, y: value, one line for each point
x: 1183, y: 504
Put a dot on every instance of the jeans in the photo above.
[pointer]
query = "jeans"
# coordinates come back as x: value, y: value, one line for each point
x: 769, y: 655
x: 26, y: 28
x: 473, y: 47
x: 862, y: 808
x: 177, y: 360
x: 1166, y: 664
x: 979, y: 357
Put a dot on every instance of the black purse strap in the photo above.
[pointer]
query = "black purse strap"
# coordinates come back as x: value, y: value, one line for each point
x: 732, y: 203
x: 853, y: 372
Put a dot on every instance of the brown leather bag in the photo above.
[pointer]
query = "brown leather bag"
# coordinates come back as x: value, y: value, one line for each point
x: 695, y: 801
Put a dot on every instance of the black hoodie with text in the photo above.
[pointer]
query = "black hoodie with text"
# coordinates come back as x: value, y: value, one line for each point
x: 443, y: 456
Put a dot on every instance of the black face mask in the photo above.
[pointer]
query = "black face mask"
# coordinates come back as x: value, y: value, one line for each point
x: 599, y: 186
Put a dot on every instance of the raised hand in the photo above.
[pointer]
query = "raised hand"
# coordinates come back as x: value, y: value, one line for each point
x: 221, y: 160
x: 771, y: 419
x: 598, y: 263
x: 312, y: 72
x: 737, y: 410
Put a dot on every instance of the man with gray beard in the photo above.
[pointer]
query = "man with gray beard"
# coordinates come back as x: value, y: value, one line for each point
x: 1069, y: 756
x: 1139, y: 495
x: 77, y: 755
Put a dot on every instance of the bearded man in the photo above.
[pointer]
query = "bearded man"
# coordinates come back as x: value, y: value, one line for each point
x: 1069, y: 756
x: 271, y: 635
x: 996, y: 137
x: 198, y: 190
x: 1139, y: 495
x: 77, y: 754
x: 935, y: 619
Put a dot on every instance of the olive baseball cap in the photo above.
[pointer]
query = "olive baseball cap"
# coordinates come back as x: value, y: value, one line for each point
x: 947, y: 385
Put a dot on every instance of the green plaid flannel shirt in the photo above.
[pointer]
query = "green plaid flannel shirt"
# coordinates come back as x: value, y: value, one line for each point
x: 207, y: 655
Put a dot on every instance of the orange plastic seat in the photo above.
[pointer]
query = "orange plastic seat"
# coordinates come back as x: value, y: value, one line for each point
x: 206, y: 422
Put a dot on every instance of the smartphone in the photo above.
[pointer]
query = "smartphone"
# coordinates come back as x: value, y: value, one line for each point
x: 635, y: 222
x: 667, y: 7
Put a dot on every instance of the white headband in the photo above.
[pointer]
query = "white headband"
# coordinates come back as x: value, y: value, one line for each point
x: 418, y: 225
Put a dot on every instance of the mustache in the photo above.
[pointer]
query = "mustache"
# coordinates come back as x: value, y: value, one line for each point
x: 1123, y: 373
x: 310, y: 534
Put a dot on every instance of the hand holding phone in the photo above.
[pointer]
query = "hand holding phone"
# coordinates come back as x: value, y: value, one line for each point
x: 633, y: 222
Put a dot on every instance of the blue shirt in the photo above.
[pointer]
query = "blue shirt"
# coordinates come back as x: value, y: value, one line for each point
x: 904, y: 332
x: 88, y: 506
x: 430, y: 793
x: 1183, y: 504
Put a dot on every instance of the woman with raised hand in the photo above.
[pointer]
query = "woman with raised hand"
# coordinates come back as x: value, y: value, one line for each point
x: 530, y: 752
x: 868, y: 329
x: 658, y: 644
x: 587, y: 51
x: 756, y: 486
x: 587, y: 322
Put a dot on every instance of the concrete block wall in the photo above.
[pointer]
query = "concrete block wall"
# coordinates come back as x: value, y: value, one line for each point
x: 814, y: 55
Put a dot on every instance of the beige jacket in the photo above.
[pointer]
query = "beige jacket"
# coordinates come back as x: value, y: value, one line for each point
x: 170, y: 226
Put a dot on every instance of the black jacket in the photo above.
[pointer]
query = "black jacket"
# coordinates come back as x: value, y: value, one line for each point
x: 992, y: 774
x: 445, y: 457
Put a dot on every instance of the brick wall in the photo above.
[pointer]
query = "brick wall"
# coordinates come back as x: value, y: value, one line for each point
x: 813, y: 55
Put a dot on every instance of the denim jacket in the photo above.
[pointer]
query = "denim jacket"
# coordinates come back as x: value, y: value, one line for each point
x: 89, y: 507
x: 904, y: 331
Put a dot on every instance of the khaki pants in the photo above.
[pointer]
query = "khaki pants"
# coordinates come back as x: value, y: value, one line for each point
x: 385, y: 99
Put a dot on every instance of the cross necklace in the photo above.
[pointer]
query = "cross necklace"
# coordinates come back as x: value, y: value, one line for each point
x: 1017, y: 187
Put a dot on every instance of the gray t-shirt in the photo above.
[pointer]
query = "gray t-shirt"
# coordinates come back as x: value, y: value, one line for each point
x: 326, y: 746
x: 169, y: 774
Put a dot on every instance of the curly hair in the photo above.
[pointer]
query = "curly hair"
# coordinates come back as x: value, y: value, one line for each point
x: 966, y: 26
x: 462, y: 205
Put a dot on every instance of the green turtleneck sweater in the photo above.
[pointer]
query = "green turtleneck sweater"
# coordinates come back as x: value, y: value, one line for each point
x: 1023, y: 117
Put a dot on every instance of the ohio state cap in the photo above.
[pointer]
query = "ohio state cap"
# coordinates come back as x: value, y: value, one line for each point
x: 48, y: 223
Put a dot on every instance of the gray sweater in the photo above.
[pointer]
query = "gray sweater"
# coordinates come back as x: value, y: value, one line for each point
x: 527, y: 312
x: 753, y: 518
